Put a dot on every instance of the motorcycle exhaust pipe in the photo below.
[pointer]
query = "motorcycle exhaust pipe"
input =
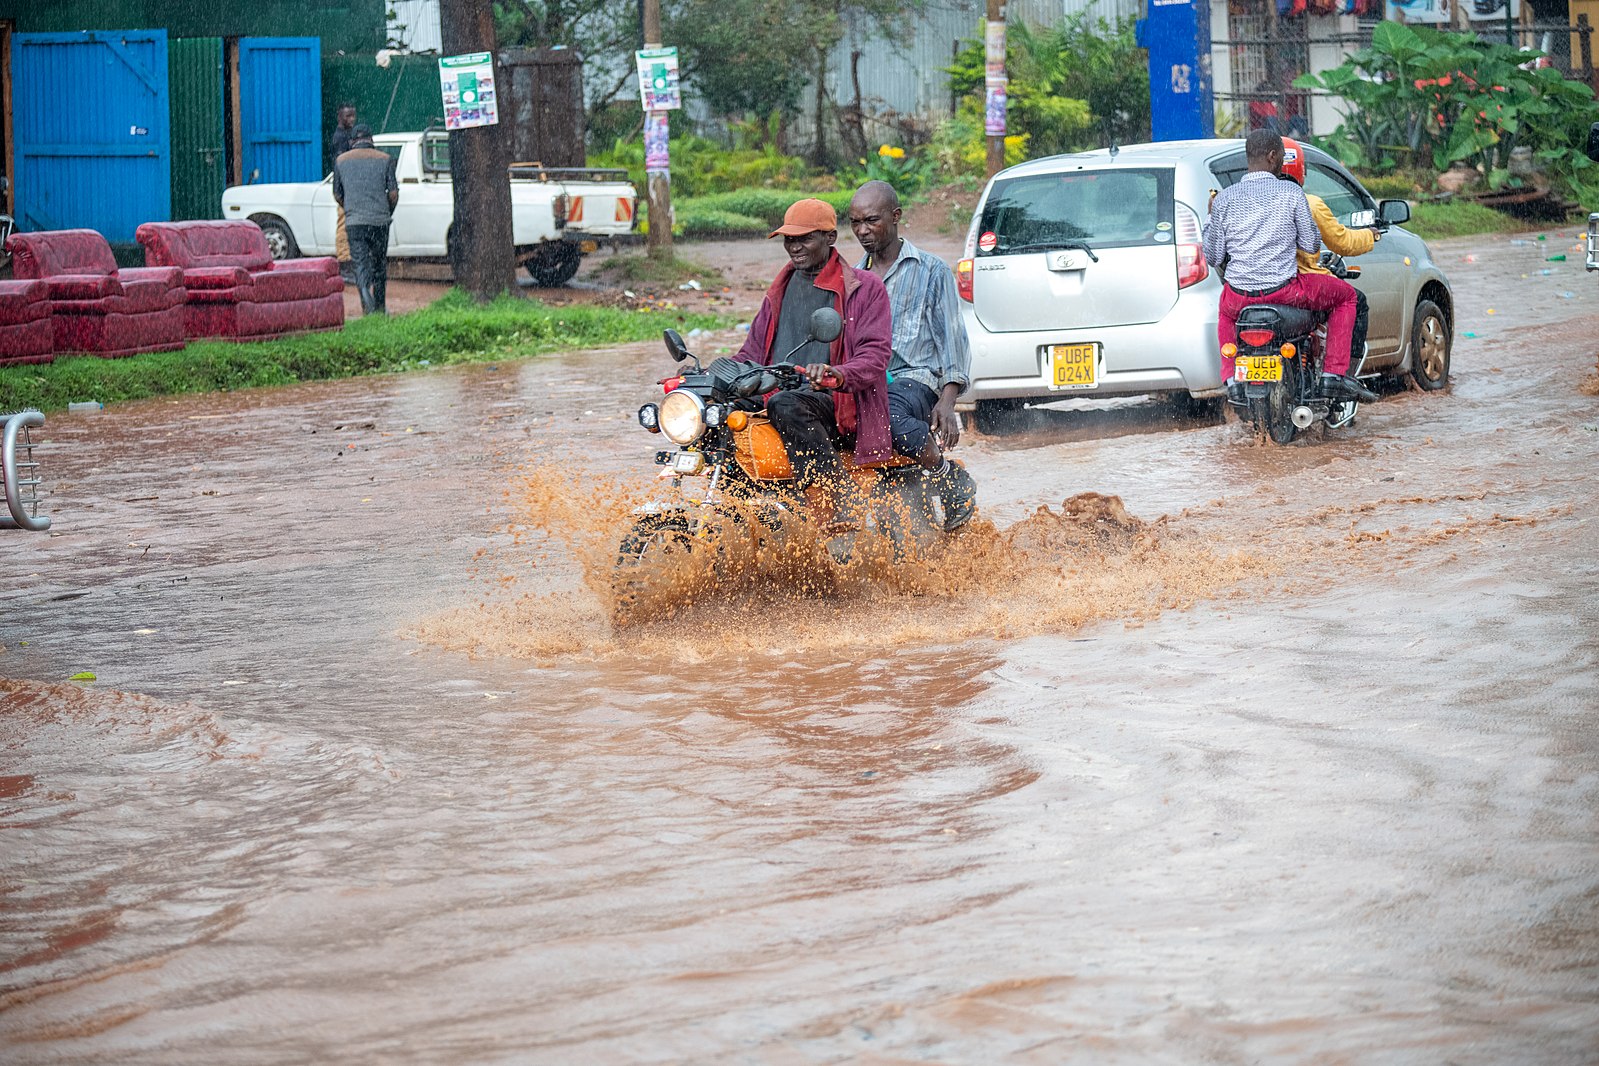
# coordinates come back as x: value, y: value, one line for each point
x: 1303, y: 417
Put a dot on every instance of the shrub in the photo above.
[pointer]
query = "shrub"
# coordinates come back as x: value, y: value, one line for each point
x: 701, y: 166
x: 1389, y: 186
x: 1429, y: 98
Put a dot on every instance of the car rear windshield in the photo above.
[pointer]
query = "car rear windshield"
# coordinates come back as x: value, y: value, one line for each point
x: 1120, y: 208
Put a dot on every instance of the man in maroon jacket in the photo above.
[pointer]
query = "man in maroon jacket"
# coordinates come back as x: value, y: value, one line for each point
x: 845, y: 404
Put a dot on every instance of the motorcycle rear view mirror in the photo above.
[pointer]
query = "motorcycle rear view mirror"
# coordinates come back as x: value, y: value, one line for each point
x: 675, y: 346
x: 826, y: 325
x: 1394, y: 212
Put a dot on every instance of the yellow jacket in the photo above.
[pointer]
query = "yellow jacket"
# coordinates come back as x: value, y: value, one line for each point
x: 1334, y: 237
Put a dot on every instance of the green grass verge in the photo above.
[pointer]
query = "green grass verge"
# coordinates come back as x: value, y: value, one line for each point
x: 453, y: 330
x: 642, y: 269
x: 1436, y: 221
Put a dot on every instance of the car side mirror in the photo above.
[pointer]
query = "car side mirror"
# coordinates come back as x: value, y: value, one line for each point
x: 1593, y: 142
x: 825, y: 325
x: 1394, y: 212
x: 675, y: 346
x: 1362, y: 219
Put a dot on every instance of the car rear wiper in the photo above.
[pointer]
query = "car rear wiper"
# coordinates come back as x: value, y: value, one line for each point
x: 1051, y: 246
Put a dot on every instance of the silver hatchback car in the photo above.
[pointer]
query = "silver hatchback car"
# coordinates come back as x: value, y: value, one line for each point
x: 1083, y: 277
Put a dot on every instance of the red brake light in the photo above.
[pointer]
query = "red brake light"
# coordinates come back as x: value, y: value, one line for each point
x: 963, y: 279
x: 1256, y: 338
x: 668, y: 384
x: 1191, y: 265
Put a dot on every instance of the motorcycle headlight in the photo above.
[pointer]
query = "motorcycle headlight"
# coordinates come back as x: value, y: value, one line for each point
x: 682, y: 417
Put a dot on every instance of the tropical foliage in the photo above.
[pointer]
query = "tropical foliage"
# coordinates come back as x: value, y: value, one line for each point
x: 1420, y: 97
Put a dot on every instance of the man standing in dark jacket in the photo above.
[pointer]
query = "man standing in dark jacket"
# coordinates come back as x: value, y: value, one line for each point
x: 365, y: 187
x: 846, y: 403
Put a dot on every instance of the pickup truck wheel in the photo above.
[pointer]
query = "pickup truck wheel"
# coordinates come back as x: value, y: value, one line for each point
x: 279, y: 238
x: 554, y: 263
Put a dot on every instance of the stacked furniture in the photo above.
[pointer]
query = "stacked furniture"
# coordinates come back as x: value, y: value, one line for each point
x: 233, y: 288
x: 27, y: 332
x: 95, y: 307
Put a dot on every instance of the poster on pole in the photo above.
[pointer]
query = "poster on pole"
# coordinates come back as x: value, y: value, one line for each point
x: 994, y: 50
x: 1494, y: 11
x: 657, y: 79
x: 994, y: 107
x: 657, y: 154
x: 467, y: 82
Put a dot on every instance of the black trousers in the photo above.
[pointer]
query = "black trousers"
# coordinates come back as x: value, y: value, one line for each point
x: 910, y: 415
x: 369, y: 251
x: 806, y: 421
x: 1357, y: 339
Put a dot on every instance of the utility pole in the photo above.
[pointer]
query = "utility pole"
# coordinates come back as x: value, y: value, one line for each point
x: 995, y: 84
x: 659, y: 239
x: 482, y: 252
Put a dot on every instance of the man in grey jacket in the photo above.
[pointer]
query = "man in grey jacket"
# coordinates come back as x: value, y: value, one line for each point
x: 364, y: 185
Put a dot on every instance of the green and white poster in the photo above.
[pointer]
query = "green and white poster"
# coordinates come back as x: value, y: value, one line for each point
x: 467, y: 82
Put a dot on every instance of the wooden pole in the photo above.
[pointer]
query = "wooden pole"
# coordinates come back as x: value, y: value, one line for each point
x: 482, y: 249
x: 996, y: 142
x: 658, y: 242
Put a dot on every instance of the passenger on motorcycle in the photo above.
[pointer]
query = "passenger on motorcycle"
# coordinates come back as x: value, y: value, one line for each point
x: 846, y: 402
x: 932, y: 358
x: 1335, y: 236
x: 1257, y: 225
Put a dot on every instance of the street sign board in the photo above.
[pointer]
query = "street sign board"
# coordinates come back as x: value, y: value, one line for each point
x: 470, y: 98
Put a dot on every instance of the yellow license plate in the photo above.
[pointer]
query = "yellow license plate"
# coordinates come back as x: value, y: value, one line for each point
x: 1258, y: 368
x: 1073, y: 366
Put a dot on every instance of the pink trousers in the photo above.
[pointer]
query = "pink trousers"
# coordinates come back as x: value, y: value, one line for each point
x: 1315, y: 292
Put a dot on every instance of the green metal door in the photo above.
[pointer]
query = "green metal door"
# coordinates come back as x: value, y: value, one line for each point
x: 199, y: 161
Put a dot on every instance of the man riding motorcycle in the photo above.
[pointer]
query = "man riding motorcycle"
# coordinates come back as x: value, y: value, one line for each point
x: 846, y: 402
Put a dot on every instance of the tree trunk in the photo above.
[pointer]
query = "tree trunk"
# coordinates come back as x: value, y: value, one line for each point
x: 819, y: 126
x: 482, y: 253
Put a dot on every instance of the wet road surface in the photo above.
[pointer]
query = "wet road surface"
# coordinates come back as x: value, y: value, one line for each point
x: 1304, y: 772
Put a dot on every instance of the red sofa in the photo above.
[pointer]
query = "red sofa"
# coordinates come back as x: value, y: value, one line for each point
x: 95, y: 307
x: 27, y: 332
x: 234, y: 288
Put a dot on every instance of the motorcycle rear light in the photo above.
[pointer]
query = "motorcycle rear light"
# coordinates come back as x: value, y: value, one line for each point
x: 1288, y: 351
x: 649, y: 416
x: 1191, y: 265
x: 1256, y: 338
x: 668, y: 384
x: 963, y: 279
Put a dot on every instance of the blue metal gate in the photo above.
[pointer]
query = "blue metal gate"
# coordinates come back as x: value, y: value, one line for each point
x: 280, y: 104
x: 90, y: 120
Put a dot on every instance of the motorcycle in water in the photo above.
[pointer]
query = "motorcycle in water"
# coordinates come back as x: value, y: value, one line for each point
x: 19, y: 472
x: 1279, y: 359
x: 733, y: 481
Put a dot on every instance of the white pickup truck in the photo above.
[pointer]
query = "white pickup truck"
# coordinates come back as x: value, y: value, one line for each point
x: 556, y: 215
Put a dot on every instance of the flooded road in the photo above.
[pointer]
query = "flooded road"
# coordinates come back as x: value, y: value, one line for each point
x: 1298, y: 763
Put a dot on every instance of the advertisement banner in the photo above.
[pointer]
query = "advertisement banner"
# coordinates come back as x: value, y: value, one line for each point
x: 657, y: 154
x: 1427, y: 12
x: 657, y: 79
x: 994, y: 107
x: 467, y: 82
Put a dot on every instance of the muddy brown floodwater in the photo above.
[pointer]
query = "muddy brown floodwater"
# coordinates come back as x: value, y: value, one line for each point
x: 1293, y: 760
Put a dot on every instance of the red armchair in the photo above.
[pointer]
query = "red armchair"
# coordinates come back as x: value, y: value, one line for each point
x: 27, y: 333
x: 95, y: 307
x: 235, y: 289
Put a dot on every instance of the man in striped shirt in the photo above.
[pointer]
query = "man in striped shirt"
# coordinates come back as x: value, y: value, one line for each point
x: 932, y: 358
x: 1256, y: 228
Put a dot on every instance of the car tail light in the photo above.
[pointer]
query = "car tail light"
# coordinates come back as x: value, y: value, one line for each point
x: 1256, y: 338
x: 963, y: 279
x: 1191, y: 265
